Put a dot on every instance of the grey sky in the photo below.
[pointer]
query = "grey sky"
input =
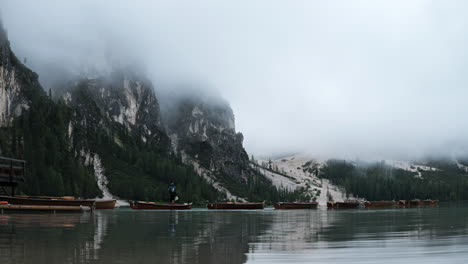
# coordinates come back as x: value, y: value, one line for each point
x: 354, y: 78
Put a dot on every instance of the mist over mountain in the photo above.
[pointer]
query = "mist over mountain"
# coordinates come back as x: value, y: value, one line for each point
x: 333, y: 79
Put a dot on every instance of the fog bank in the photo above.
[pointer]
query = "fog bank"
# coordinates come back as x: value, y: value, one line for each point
x: 343, y: 78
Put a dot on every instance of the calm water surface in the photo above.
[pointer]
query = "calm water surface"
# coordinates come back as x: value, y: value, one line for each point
x: 419, y: 235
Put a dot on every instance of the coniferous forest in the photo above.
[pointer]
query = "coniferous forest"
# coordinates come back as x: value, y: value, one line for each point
x: 379, y: 181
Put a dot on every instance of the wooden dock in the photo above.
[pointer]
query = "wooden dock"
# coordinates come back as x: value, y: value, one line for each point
x: 11, y: 173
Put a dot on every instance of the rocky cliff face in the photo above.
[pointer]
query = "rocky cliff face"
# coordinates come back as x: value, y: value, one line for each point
x: 202, y: 131
x: 121, y: 99
x: 17, y: 83
x: 205, y: 131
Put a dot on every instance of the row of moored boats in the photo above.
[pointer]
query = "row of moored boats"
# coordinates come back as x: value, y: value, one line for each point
x: 286, y: 205
x: 382, y: 204
x: 68, y: 203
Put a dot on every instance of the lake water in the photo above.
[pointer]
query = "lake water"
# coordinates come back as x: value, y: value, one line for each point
x: 418, y: 235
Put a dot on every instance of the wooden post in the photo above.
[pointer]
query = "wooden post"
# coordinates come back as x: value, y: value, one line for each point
x: 11, y: 178
x: 11, y: 171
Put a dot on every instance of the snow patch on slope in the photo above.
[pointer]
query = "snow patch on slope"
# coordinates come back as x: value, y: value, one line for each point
x: 300, y: 171
x: 93, y: 159
x: 101, y: 178
x: 411, y: 167
x: 461, y: 166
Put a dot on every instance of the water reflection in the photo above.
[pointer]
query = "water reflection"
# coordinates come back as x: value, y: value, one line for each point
x: 182, y: 237
x: 418, y: 235
x: 201, y: 236
x: 173, y: 220
x: 43, y: 238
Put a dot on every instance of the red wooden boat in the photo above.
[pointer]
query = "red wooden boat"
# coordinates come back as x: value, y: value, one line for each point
x: 343, y: 205
x: 402, y: 203
x: 99, y: 203
x: 430, y: 202
x: 296, y: 205
x: 42, y: 208
x: 160, y: 206
x: 379, y: 204
x: 415, y: 202
x: 235, y: 206
x: 46, y: 201
x: 47, y: 197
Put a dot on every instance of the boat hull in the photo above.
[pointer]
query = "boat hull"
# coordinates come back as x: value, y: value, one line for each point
x: 415, y: 203
x: 293, y: 206
x: 402, y: 203
x: 235, y: 206
x: 99, y: 203
x: 159, y: 206
x: 42, y: 208
x: 430, y: 202
x: 105, y: 204
x: 342, y: 205
x: 379, y: 204
x: 46, y: 202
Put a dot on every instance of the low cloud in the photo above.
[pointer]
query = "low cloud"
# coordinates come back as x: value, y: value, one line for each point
x: 350, y: 78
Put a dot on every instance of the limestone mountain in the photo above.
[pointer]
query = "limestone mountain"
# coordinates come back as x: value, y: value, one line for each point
x: 103, y: 134
x: 18, y: 84
x: 203, y: 133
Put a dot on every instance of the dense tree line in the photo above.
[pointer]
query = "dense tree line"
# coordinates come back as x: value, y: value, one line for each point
x: 39, y: 136
x: 380, y: 181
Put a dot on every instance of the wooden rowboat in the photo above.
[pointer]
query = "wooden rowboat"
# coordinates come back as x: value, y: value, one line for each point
x: 415, y: 202
x: 235, y: 206
x: 296, y: 205
x: 379, y: 204
x: 430, y: 202
x: 343, y: 205
x: 160, y: 206
x: 99, y: 203
x: 42, y: 208
x: 402, y: 203
x: 48, y: 197
x: 46, y: 201
x: 105, y: 204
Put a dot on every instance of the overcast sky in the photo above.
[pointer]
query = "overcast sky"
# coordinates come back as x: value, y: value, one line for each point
x: 335, y: 78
